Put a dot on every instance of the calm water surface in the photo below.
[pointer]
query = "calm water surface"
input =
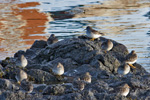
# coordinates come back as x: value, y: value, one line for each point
x: 126, y: 21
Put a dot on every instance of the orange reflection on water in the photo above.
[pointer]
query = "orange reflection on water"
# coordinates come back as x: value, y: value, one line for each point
x: 35, y: 22
x: 19, y: 27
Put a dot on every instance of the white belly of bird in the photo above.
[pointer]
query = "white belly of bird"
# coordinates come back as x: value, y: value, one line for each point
x: 110, y: 47
x: 88, y: 81
x: 125, y: 93
x: 96, y: 36
x: 92, y: 35
x: 126, y: 71
x: 58, y: 72
x: 129, y: 62
x: 24, y: 63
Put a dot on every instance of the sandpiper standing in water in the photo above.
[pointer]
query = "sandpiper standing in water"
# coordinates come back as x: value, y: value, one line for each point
x: 107, y: 45
x: 131, y: 58
x: 52, y: 39
x: 58, y: 70
x: 20, y: 75
x: 23, y: 61
x: 86, y: 77
x: 91, y: 33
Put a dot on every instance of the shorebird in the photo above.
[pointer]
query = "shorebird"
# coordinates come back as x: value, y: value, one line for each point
x: 107, y: 45
x: 23, y: 61
x: 124, y: 90
x: 20, y: 75
x: 91, y: 33
x: 86, y: 77
x: 58, y: 70
x: 27, y: 86
x: 78, y: 84
x: 131, y: 58
x: 123, y: 70
x: 52, y: 39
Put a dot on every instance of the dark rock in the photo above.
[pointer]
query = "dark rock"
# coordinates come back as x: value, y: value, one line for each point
x: 39, y: 44
x: 10, y: 72
x: 41, y: 76
x: 78, y: 56
x: 39, y: 88
x: 54, y: 90
x: 5, y: 84
x: 34, y: 66
x: 2, y: 73
x: 80, y: 70
x: 109, y: 61
x: 88, y: 95
x: 58, y: 89
x: 30, y: 53
x: 20, y: 95
x: 19, y: 53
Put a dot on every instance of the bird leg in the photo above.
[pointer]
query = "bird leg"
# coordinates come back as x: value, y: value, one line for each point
x: 131, y: 66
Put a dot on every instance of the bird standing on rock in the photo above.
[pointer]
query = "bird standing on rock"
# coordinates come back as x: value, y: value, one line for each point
x: 124, y: 90
x: 123, y: 70
x: 20, y: 75
x: 107, y: 45
x: 78, y: 84
x: 91, y: 33
x: 58, y: 70
x: 131, y: 58
x: 52, y: 39
x: 23, y: 61
x: 86, y: 77
x: 27, y: 86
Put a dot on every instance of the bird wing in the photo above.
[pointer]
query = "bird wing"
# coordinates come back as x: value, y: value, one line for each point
x: 96, y: 32
x: 131, y: 57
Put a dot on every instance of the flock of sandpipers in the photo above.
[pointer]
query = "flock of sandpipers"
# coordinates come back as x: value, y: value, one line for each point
x: 79, y: 83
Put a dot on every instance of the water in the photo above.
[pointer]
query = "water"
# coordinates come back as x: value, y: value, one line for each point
x: 123, y: 21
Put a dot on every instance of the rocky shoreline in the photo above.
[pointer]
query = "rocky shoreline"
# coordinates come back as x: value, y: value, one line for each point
x: 78, y: 56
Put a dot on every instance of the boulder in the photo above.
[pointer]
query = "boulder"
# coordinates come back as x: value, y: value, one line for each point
x: 78, y: 56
